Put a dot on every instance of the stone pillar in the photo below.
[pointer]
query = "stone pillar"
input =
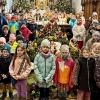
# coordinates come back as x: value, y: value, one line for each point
x: 8, y: 6
x: 76, y: 4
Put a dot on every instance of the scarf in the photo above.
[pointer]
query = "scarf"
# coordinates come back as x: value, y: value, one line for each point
x: 45, y: 55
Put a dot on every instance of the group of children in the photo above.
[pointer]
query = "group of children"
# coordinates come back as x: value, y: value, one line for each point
x: 60, y: 70
x: 53, y: 62
x: 17, y: 67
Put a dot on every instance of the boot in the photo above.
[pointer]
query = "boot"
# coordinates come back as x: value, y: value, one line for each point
x: 62, y: 96
x: 3, y: 95
x: 46, y: 98
x: 11, y: 96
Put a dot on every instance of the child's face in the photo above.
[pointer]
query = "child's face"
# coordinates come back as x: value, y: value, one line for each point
x: 30, y: 43
x: 95, y: 37
x: 97, y: 50
x: 19, y: 42
x: 45, y: 49
x: 13, y: 20
x: 20, y: 52
x: 1, y: 43
x: 5, y: 30
x: 85, y: 53
x: 5, y: 53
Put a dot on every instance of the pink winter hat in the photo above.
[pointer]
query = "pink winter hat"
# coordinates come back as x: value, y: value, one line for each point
x: 12, y: 37
x: 3, y: 40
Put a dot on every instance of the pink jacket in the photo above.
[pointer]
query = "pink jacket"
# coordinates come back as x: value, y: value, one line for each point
x: 24, y: 72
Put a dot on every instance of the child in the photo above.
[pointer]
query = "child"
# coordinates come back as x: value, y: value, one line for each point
x: 25, y: 32
x: 13, y: 25
x: 63, y: 73
x: 32, y: 26
x: 4, y: 72
x: 83, y: 75
x: 12, y: 42
x: 44, y: 69
x: 19, y: 69
x: 5, y: 32
x: 96, y: 84
x: 79, y: 33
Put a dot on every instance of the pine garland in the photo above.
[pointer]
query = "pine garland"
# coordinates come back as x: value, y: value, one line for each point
x: 64, y: 5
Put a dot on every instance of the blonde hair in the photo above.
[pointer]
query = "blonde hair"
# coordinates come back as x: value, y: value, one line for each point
x: 96, y: 45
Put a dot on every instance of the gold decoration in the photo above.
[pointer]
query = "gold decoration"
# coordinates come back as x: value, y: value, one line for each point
x: 41, y: 3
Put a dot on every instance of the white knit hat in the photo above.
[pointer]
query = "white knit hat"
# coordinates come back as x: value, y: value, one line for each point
x: 64, y: 48
x: 97, y: 33
x: 2, y: 39
x: 45, y: 42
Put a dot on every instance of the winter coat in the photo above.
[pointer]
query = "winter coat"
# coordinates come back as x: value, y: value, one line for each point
x: 69, y: 69
x: 2, y: 22
x: 97, y: 71
x: 25, y: 71
x: 13, y: 26
x: 44, y: 69
x: 83, y: 75
x: 4, y: 69
x: 72, y: 22
x: 13, y: 47
x: 95, y: 91
x: 32, y: 27
x: 25, y: 32
x: 6, y: 36
x: 79, y: 32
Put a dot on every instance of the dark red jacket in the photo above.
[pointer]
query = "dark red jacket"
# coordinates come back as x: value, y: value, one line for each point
x: 25, y: 32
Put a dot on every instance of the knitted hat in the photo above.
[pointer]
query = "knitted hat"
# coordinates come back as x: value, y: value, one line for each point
x: 20, y: 37
x: 12, y: 37
x: 6, y: 48
x: 96, y: 33
x: 64, y: 48
x: 13, y: 17
x: 3, y: 40
x: 5, y: 26
x: 45, y: 42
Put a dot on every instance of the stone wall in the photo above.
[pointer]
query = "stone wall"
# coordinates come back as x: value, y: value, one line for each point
x: 76, y: 4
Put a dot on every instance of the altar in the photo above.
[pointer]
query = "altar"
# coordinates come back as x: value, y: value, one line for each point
x: 65, y: 27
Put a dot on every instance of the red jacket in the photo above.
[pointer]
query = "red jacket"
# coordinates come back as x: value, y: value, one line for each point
x: 70, y: 64
x: 25, y: 32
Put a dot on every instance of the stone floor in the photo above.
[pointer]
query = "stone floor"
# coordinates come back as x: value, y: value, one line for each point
x: 15, y: 97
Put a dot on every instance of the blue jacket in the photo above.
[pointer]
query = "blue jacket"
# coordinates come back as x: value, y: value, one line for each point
x: 44, y: 69
x: 72, y: 22
x: 2, y: 22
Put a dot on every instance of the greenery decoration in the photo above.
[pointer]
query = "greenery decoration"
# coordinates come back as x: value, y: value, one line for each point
x: 23, y: 4
x: 64, y: 6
